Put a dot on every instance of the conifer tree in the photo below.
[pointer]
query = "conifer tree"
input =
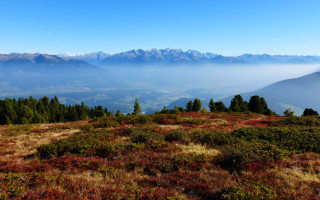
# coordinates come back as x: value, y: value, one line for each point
x: 136, y: 109
x: 238, y: 105
x: 220, y: 106
x: 196, y: 105
x: 212, y: 106
x: 189, y: 106
x: 118, y: 113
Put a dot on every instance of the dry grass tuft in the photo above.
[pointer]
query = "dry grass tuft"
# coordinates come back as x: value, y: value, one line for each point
x: 199, y: 149
x: 297, y: 173
x: 170, y: 127
x: 27, y: 142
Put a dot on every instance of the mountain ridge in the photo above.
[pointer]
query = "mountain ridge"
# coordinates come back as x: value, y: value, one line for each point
x: 176, y: 56
x: 36, y: 60
x: 294, y: 93
x: 153, y: 56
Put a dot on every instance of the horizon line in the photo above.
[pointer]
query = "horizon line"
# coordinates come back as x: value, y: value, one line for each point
x: 101, y: 51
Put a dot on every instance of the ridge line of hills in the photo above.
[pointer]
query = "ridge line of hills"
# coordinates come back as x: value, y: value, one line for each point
x: 153, y: 56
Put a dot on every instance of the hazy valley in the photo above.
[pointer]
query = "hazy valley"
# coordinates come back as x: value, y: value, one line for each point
x: 156, y: 77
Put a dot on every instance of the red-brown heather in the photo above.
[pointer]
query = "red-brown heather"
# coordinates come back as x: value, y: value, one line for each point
x: 163, y: 156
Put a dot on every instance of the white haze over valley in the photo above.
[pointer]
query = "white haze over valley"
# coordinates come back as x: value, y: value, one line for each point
x: 224, y: 80
x: 155, y: 86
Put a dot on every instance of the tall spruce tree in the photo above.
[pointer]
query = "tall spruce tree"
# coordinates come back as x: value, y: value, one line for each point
x: 238, y: 105
x: 189, y: 106
x: 136, y: 108
x: 212, y: 106
x: 196, y: 105
x: 220, y: 106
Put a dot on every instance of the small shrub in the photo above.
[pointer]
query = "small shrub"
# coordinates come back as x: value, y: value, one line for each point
x: 140, y: 119
x: 192, y: 161
x: 87, y: 128
x: 248, y: 192
x: 176, y: 135
x: 292, y: 139
x: 78, y: 144
x: 164, y: 118
x: 239, y: 156
x: 303, y: 121
x: 141, y: 137
x: 156, y: 143
x: 105, y: 149
x: 47, y: 151
x: 212, y: 138
x: 310, y: 112
x: 106, y: 122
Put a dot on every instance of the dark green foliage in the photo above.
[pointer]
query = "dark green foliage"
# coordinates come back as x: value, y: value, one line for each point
x: 196, y: 105
x: 105, y: 149
x: 238, y: 105
x: 44, y: 110
x: 212, y: 106
x: 310, y: 112
x: 136, y: 109
x: 87, y: 128
x: 237, y: 156
x: 77, y: 144
x: 140, y: 119
x: 163, y: 118
x: 292, y: 139
x: 176, y: 110
x: 288, y: 113
x: 106, y: 122
x: 118, y: 114
x: 47, y: 151
x: 142, y: 137
x: 247, y: 191
x: 259, y: 105
x: 212, y: 138
x: 220, y: 106
x: 97, y: 111
x: 189, y: 106
x: 304, y: 121
x: 176, y: 135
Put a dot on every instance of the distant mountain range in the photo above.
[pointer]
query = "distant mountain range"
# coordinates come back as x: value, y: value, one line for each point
x: 40, y: 61
x: 178, y: 56
x: 279, y: 59
x: 146, y: 57
x: 155, y: 56
x: 36, y: 73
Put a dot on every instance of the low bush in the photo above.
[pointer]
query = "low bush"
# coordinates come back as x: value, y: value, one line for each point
x: 13, y: 185
x: 239, y: 156
x: 77, y: 144
x: 176, y: 135
x: 140, y: 119
x: 106, y: 122
x: 156, y: 143
x: 144, y: 137
x: 87, y: 128
x: 105, y: 149
x: 191, y: 161
x: 248, y: 192
x: 303, y: 121
x: 212, y: 138
x: 293, y: 139
x: 164, y: 118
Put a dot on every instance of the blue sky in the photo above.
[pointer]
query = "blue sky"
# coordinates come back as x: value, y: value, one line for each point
x: 227, y: 27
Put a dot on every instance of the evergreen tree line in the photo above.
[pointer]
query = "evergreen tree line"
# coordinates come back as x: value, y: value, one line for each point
x: 45, y: 110
x: 256, y: 104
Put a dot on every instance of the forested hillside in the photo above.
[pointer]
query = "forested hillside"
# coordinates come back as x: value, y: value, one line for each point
x: 45, y: 110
